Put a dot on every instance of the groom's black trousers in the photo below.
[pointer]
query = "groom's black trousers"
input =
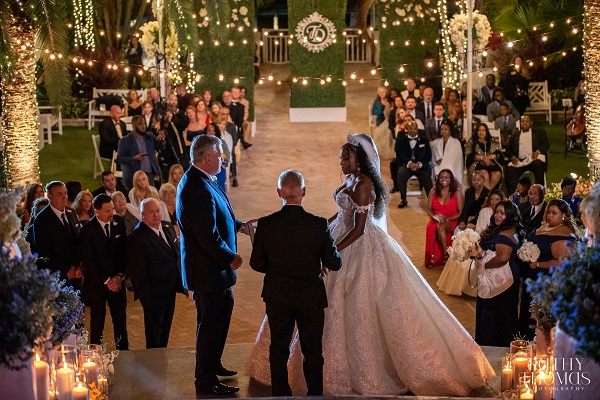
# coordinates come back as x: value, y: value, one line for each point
x: 282, y: 318
x: 213, y: 314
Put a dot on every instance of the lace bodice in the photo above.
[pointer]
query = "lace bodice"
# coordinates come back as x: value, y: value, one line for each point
x: 348, y: 207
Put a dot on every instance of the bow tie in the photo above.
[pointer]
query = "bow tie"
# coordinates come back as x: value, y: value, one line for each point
x: 234, y: 101
x: 412, y: 139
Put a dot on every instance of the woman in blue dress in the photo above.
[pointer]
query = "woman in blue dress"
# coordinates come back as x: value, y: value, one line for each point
x: 496, y: 319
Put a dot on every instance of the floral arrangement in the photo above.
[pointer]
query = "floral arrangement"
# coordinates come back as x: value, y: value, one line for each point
x: 462, y: 243
x: 572, y: 294
x: 68, y: 309
x: 545, y: 321
x: 482, y: 31
x: 10, y: 224
x: 26, y: 295
x: 149, y: 41
x: 582, y: 189
x: 528, y: 252
x: 408, y: 11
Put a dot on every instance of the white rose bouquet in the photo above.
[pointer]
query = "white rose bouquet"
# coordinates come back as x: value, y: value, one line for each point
x: 528, y: 252
x: 462, y: 243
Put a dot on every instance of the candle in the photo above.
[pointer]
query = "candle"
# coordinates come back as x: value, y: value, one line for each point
x: 526, y: 394
x: 90, y: 371
x: 64, y: 382
x: 543, y: 385
x: 507, y: 375
x: 80, y: 393
x: 102, y: 384
x: 520, y: 365
x: 41, y: 378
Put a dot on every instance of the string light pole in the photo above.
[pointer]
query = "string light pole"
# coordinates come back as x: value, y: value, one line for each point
x: 591, y: 54
x: 470, y: 4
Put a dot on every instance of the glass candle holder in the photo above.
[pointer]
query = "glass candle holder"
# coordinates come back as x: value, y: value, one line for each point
x: 90, y: 366
x: 544, y: 384
x: 507, y: 373
x: 522, y: 357
x: 525, y: 389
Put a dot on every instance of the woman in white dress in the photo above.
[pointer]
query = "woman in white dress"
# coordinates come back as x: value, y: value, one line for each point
x: 386, y: 332
x: 447, y: 153
x: 382, y: 134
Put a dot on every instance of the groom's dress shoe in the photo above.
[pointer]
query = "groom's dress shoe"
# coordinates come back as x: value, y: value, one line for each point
x: 219, y: 389
x: 222, y: 371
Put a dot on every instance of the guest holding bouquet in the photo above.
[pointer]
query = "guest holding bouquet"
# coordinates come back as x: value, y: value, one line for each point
x: 496, y: 319
x: 554, y: 238
x: 444, y: 206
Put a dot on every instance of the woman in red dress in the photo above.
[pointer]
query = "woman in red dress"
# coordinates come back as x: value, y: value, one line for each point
x: 444, y: 206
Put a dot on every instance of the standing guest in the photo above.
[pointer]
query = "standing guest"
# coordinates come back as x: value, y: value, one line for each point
x: 154, y: 264
x: 568, y: 186
x: 433, y: 75
x: 54, y: 236
x: 167, y: 194
x: 515, y: 82
x: 111, y: 129
x: 486, y: 92
x: 290, y: 247
x: 553, y: 238
x: 474, y: 198
x: 400, y: 132
x: 141, y: 189
x: 202, y: 114
x: 497, y: 319
x: 426, y: 106
x: 414, y: 158
x: 134, y: 61
x: 178, y: 116
x: 109, y: 185
x: 194, y: 128
x: 247, y: 126
x: 521, y: 195
x: 411, y: 89
x: 175, y: 173
x: 444, y: 206
x: 532, y: 211
x: 127, y: 211
x: 433, y: 125
x: 506, y: 124
x: 207, y: 98
x: 483, y: 154
x: 83, y: 206
x: 493, y: 109
x: 177, y: 151
x: 447, y: 152
x: 184, y: 99
x: 234, y: 132
x: 215, y: 111
x: 382, y: 136
x: 527, y: 151
x: 73, y: 189
x: 102, y: 251
x: 236, y: 111
x: 137, y: 152
x: 579, y: 94
x: 150, y: 117
x: 236, y: 98
x: 209, y: 259
x: 154, y: 98
x: 34, y: 191
x: 133, y: 105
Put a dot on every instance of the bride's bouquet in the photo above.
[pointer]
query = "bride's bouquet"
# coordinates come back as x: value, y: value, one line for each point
x: 462, y: 243
x: 529, y: 252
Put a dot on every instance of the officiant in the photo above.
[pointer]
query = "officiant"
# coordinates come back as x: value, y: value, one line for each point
x: 527, y: 151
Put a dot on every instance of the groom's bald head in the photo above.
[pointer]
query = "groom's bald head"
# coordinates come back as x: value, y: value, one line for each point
x: 290, y: 187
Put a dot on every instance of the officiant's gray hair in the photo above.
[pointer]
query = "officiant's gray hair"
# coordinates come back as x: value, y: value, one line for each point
x: 290, y: 178
x: 201, y: 145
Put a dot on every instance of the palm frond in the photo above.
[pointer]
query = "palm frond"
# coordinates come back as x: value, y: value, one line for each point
x: 181, y: 12
x: 6, y: 55
x: 219, y: 14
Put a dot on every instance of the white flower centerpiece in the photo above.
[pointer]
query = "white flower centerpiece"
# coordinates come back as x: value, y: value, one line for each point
x: 462, y: 243
x: 482, y: 31
x: 528, y: 252
x: 149, y: 42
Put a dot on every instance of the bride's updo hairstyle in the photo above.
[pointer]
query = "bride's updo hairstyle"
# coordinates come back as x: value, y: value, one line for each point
x: 382, y: 192
x: 512, y: 215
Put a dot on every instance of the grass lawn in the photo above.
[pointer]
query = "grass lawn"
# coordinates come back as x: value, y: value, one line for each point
x: 71, y: 156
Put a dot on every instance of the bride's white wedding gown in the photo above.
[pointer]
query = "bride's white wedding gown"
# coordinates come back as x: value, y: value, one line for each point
x: 386, y: 332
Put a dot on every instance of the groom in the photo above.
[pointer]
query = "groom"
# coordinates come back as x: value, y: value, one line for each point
x: 290, y: 248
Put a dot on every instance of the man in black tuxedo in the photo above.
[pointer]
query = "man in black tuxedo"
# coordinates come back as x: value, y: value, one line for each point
x: 111, y: 129
x: 155, y: 268
x: 529, y: 145
x: 102, y: 252
x: 109, y: 185
x: 209, y: 258
x: 290, y: 247
x: 54, y: 236
x: 413, y: 153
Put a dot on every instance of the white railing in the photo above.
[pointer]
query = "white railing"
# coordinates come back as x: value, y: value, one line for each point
x: 273, y: 46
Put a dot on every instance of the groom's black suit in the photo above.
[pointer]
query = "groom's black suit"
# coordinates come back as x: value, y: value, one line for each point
x: 289, y: 247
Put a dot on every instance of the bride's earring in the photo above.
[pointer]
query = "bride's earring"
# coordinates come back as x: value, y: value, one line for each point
x: 358, y: 168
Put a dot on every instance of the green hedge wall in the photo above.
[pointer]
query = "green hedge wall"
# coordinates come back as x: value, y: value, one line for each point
x: 330, y: 61
x: 232, y: 62
x: 395, y: 16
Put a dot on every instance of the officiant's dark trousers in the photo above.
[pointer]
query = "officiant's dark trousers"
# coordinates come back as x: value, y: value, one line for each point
x: 282, y: 318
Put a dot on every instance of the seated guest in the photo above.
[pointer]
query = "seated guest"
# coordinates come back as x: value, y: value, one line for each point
x: 483, y: 154
x: 194, y: 128
x: 474, y: 198
x: 109, y: 185
x: 411, y: 104
x: 141, y: 189
x: 127, y: 211
x: 175, y: 174
x: 73, y: 189
x: 447, y: 153
x: 568, y: 186
x: 426, y: 106
x: 487, y: 210
x: 506, y: 124
x: 400, y: 114
x: 411, y: 89
x: 433, y: 125
x: 154, y: 98
x: 215, y: 111
x: 392, y: 116
x: 167, y: 194
x: 34, y: 192
x: 154, y: 263
x: 111, y: 130
x: 493, y: 109
x: 137, y: 152
x: 451, y: 96
x: 487, y: 91
x: 461, y: 132
x: 133, y: 105
x: 381, y: 134
x: 521, y: 195
x: 178, y: 116
x: 184, y: 98
x: 532, y: 211
x: 444, y: 206
x: 575, y: 129
x: 176, y: 151
x: 527, y: 151
x: 414, y: 158
x: 83, y: 207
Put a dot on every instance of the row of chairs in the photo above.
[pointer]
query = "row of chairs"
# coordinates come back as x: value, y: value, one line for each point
x: 99, y: 161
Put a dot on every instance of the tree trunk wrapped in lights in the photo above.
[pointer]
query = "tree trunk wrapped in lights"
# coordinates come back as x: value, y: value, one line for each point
x: 591, y: 42
x: 19, y: 118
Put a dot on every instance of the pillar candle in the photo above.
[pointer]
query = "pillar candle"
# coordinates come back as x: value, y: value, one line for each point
x: 520, y: 365
x: 80, y: 393
x: 64, y: 382
x: 102, y: 384
x: 90, y: 371
x: 42, y: 371
x: 507, y: 376
x: 543, y: 385
x: 526, y: 394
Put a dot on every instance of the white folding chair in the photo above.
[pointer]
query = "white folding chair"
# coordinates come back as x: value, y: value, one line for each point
x: 113, y: 166
x: 98, y: 160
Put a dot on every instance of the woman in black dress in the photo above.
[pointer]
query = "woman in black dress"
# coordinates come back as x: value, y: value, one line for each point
x: 134, y: 56
x: 515, y: 83
x: 483, y: 154
x: 496, y: 319
x: 474, y: 199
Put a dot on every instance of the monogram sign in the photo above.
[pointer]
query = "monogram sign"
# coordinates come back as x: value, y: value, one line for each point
x: 315, y: 32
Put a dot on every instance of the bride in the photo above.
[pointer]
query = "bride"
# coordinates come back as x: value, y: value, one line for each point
x: 386, y: 332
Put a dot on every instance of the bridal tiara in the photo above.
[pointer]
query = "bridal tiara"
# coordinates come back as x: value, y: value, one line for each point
x: 359, y: 139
